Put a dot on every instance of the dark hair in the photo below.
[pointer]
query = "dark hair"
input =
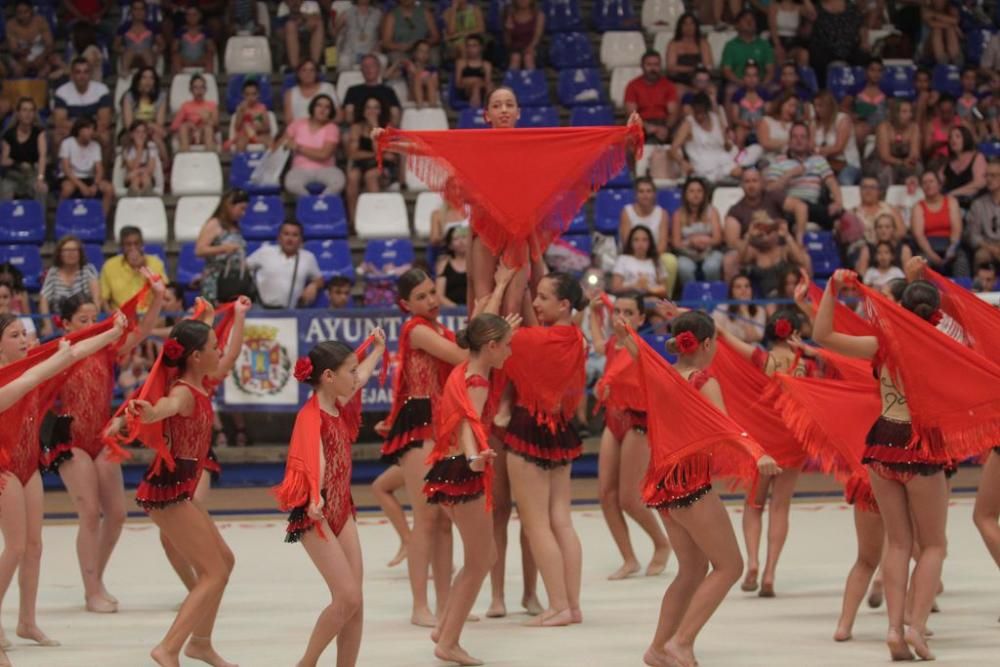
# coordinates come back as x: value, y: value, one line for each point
x: 306, y: 61
x: 887, y: 245
x: 193, y: 336
x: 788, y: 314
x: 418, y: 43
x: 7, y: 319
x: 449, y: 236
x: 696, y: 322
x: 27, y: 100
x: 743, y: 13
x: 57, y: 252
x: 134, y: 88
x: 231, y: 198
x: 127, y: 231
x: 12, y: 275
x: 409, y: 281
x: 874, y: 61
x: 986, y: 266
x: 946, y: 97
x: 497, y: 90
x: 644, y: 179
x: 250, y: 82
x: 82, y: 35
x: 704, y: 200
x: 196, y: 77
x: 177, y: 289
x: 474, y: 38
x: 383, y: 113
x: 751, y: 63
x: 291, y: 223
x: 69, y: 306
x: 798, y: 123
x: 8, y: 285
x: 316, y: 100
x: 651, y: 53
x: 701, y: 101
x: 968, y: 142
x: 688, y: 16
x: 328, y: 355
x: 634, y: 295
x: 969, y: 67
x: 481, y: 330
x: 79, y: 60
x: 627, y: 249
x: 567, y: 288
x: 338, y: 281
x: 734, y: 308
x: 921, y: 298
x: 80, y: 123
x: 776, y: 104
x: 896, y: 288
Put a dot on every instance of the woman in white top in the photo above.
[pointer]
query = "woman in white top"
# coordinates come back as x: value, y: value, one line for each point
x: 697, y: 234
x: 745, y: 321
x: 784, y: 19
x: 635, y: 269
x: 298, y: 97
x: 646, y: 212
x: 774, y: 128
x: 357, y: 33
x: 711, y: 153
x: 833, y: 137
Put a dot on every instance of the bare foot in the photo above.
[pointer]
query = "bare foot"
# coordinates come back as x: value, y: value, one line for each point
x: 551, y: 619
x: 4, y: 642
x: 35, y: 634
x: 472, y: 618
x: 766, y: 590
x: 749, y: 584
x: 163, y: 658
x: 898, y: 649
x: 842, y: 634
x: 625, y: 571
x: 532, y: 605
x: 577, y: 615
x: 200, y: 648
x: 436, y: 634
x: 875, y: 596
x: 917, y: 641
x: 108, y: 596
x: 99, y: 604
x: 457, y: 655
x: 497, y: 609
x: 934, y: 607
x: 681, y: 656
x: 4, y: 660
x: 659, y: 561
x: 424, y: 618
x: 399, y: 557
x: 655, y: 658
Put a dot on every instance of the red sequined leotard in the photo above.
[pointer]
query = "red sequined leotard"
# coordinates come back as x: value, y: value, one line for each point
x: 86, y: 395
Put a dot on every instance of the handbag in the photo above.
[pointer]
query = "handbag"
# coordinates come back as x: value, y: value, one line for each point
x: 235, y: 281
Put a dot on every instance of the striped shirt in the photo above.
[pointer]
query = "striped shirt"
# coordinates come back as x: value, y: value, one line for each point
x: 809, y: 185
x: 55, y: 290
x: 85, y: 104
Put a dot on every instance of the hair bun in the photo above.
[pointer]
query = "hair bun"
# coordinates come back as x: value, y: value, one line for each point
x: 462, y: 339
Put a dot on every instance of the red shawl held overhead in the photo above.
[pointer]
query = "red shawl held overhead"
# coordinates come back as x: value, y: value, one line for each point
x: 403, y: 352
x: 621, y: 377
x: 521, y: 184
x: 845, y: 320
x: 979, y: 319
x: 546, y: 366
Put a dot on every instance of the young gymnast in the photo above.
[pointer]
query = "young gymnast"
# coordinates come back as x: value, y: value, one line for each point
x: 384, y: 489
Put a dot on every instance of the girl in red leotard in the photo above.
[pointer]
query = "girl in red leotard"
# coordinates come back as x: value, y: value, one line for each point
x: 317, y: 488
x: 184, y: 417
x: 92, y: 478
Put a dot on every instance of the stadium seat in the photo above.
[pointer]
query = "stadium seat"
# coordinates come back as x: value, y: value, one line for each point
x: 234, y: 90
x: 562, y: 15
x: 156, y: 250
x: 427, y: 203
x: 669, y: 199
x: 947, y: 79
x: 591, y: 116
x: 272, y: 123
x: 118, y: 177
x: 660, y: 42
x: 623, y: 179
x: 345, y: 80
x: 146, y: 213
x: 661, y: 15
x: 963, y: 281
x: 823, y: 253
x: 571, y: 49
x: 579, y: 86
x: 896, y: 195
x: 843, y: 80
x: 385, y: 255
x: 180, y: 90
x: 196, y: 174
x: 495, y: 16
x: 22, y: 221
x: 27, y: 259
x: 245, y: 55
x: 717, y: 44
x: 991, y: 149
x: 455, y: 99
x: 471, y: 119
x: 538, y: 117
x: 724, y: 198
x: 240, y: 170
x: 622, y: 49
x: 381, y: 215
x: 579, y: 225
x: 712, y: 292
x: 807, y: 75
x: 659, y: 343
x: 613, y: 15
x: 608, y: 207
x: 93, y: 254
x: 333, y: 257
x: 620, y: 77
x: 83, y: 218
x: 263, y: 218
x: 322, y: 216
x: 431, y: 118
x: 530, y: 86
x: 897, y: 81
x: 850, y: 196
x: 191, y: 215
x: 581, y: 242
x: 189, y: 265
x: 976, y: 41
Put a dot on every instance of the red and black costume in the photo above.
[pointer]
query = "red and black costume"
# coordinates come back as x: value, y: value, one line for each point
x: 546, y: 367
x: 420, y: 377
x: 624, y: 408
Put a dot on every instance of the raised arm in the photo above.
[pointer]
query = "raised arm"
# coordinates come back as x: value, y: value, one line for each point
x: 178, y: 402
x: 367, y: 367
x: 861, y: 347
x: 149, y: 320
x: 14, y: 390
x: 228, y: 360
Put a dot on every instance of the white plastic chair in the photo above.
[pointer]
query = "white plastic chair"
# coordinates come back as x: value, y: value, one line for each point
x: 402, y: 92
x: 661, y: 15
x: 431, y: 118
x: 622, y: 48
x: 118, y: 177
x: 196, y: 173
x: 427, y: 203
x: 850, y: 196
x: 661, y: 41
x: 717, y: 43
x: 620, y: 76
x: 724, y: 199
x: 180, y: 89
x: 146, y: 213
x: 345, y: 80
x: 191, y: 214
x: 248, y: 55
x: 381, y: 215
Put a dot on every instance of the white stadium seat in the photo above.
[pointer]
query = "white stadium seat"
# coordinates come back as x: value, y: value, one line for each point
x: 248, y: 55
x: 191, y: 215
x: 621, y: 48
x: 431, y: 118
x: 381, y: 215
x: 661, y: 15
x: 717, y: 43
x: 427, y: 203
x: 724, y: 199
x: 660, y: 42
x: 620, y: 76
x: 118, y: 177
x: 196, y: 174
x: 180, y: 90
x: 850, y: 196
x: 146, y: 213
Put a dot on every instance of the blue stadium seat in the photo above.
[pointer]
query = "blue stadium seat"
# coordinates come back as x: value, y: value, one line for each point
x: 669, y: 199
x: 571, y: 49
x: 591, y: 116
x: 705, y: 292
x: 843, y: 80
x: 157, y: 250
x: 807, y: 75
x: 578, y: 225
x: 947, y: 79
x: 189, y: 265
x: 562, y: 15
x: 975, y: 43
x: 579, y: 86
x: 28, y: 260
x: 990, y: 149
x: 659, y: 343
x: 455, y: 100
x: 581, y: 242
x: 83, y: 218
x: 538, y: 117
x: 608, y: 207
x: 623, y: 179
x: 334, y: 257
x: 322, y: 217
x: 530, y: 86
x: 242, y: 168
x: 22, y: 221
x: 823, y: 253
x: 897, y: 81
x: 94, y: 254
x: 263, y: 218
x: 471, y: 119
x: 494, y: 16
x: 234, y: 90
x: 289, y: 81
x: 613, y: 15
x: 381, y: 253
x: 964, y: 281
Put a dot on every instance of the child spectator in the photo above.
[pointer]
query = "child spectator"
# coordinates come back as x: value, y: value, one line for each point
x: 138, y: 43
x: 452, y: 282
x: 193, y: 48
x: 473, y: 74
x: 338, y: 291
x: 747, y: 106
x: 986, y: 278
x: 8, y: 304
x: 140, y: 158
x: 197, y: 121
x: 926, y: 97
x: 146, y: 101
x: 303, y: 25
x: 423, y: 79
x: 885, y: 269
x: 81, y: 168
x: 251, y: 124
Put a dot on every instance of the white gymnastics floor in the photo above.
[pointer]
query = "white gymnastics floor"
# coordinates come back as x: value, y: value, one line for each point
x: 275, y: 594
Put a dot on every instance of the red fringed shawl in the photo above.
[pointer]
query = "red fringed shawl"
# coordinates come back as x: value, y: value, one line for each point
x: 301, y: 484
x: 546, y: 366
x: 979, y: 319
x: 404, y: 351
x: 951, y: 390
x: 521, y: 184
x: 622, y: 378
x: 845, y: 320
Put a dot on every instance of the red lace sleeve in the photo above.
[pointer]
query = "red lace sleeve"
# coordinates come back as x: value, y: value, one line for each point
x: 477, y: 381
x: 699, y: 378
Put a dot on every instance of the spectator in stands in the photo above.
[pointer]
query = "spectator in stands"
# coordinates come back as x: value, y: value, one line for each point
x: 30, y: 47
x: 744, y: 47
x: 81, y: 169
x: 140, y: 159
x: 833, y: 137
x: 371, y: 70
x: 404, y: 26
x: 20, y: 301
x: 984, y: 217
x: 287, y: 275
x: 23, y: 156
x: 927, y: 98
x: 197, y: 121
x: 523, y: 26
x: 870, y: 105
x: 362, y: 168
x: 635, y: 267
x: 473, y: 74
x: 937, y: 228
x: 872, y: 207
x: 70, y: 274
x: 446, y: 217
x: 82, y: 97
x: 121, y: 275
x: 220, y: 242
x: 313, y: 142
x: 989, y: 109
x: 462, y: 19
x: 217, y: 15
x: 145, y: 101
x: 942, y: 120
x: 452, y: 283
x: 986, y: 278
x: 251, y: 122
x: 338, y: 292
x: 303, y: 26
x: 422, y: 77
x: 137, y: 42
x: 990, y: 60
x: 647, y: 213
x: 709, y: 148
x: 700, y: 83
x: 897, y: 145
x: 8, y: 306
x: 963, y: 176
x: 241, y: 17
x: 696, y: 235
x: 747, y: 107
x: 687, y: 51
x: 356, y: 30
x: 886, y: 269
x: 744, y: 320
x: 86, y: 11
x: 786, y: 24
x: 838, y: 33
x: 85, y: 43
x: 802, y: 174
x: 789, y: 82
x: 768, y: 252
x: 944, y: 42
x: 773, y: 130
x: 193, y: 48
x: 884, y: 232
x: 308, y: 85
x: 654, y: 98
x: 968, y: 100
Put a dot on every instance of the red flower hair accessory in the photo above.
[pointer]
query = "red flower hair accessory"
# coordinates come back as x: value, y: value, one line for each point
x: 783, y: 329
x: 935, y: 318
x: 303, y: 369
x: 686, y: 342
x: 57, y: 322
x: 173, y: 350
